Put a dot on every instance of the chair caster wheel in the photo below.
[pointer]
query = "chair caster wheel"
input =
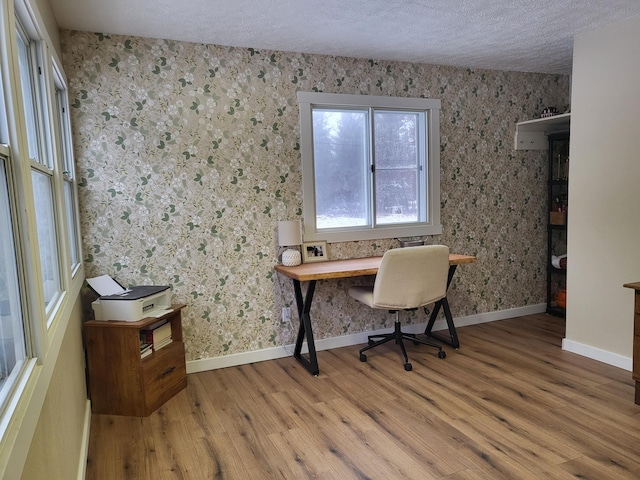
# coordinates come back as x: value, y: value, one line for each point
x: 408, y: 367
x: 363, y: 357
x: 442, y: 354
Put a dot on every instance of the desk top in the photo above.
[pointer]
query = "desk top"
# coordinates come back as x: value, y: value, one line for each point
x: 353, y: 267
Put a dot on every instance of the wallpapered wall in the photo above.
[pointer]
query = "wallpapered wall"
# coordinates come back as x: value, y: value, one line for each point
x: 188, y: 155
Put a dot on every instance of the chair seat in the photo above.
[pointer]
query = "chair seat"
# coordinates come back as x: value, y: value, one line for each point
x: 363, y: 294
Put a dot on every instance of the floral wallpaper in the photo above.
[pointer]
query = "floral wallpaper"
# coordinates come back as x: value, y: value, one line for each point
x: 188, y: 155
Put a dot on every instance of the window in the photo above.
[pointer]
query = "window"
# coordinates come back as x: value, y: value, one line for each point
x: 40, y: 268
x: 30, y: 94
x: 12, y: 346
x: 13, y: 351
x: 47, y: 235
x: 33, y: 96
x: 4, y: 126
x: 68, y: 173
x: 370, y: 166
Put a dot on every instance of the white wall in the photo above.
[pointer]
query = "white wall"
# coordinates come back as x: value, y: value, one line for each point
x: 604, y: 193
x: 59, y: 445
x: 51, y: 25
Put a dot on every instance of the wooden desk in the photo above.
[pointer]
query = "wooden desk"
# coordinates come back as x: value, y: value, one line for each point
x: 355, y: 267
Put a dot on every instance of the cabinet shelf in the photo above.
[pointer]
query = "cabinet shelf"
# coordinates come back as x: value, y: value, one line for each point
x: 556, y: 123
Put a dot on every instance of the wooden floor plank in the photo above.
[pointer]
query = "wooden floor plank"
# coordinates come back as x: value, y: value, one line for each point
x: 509, y: 404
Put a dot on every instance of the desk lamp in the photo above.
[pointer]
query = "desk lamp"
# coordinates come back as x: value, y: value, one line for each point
x: 290, y: 235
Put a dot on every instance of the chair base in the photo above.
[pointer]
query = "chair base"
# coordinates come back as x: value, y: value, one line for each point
x: 398, y: 335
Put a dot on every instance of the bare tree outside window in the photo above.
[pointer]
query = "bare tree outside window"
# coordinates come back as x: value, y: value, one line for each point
x: 370, y: 166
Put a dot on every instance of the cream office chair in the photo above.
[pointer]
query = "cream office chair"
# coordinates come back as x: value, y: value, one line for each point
x: 408, y: 278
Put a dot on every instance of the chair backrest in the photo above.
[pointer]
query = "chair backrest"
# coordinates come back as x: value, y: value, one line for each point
x: 411, y: 277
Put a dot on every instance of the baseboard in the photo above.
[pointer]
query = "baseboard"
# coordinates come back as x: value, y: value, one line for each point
x: 243, y: 358
x: 598, y: 354
x: 84, y: 447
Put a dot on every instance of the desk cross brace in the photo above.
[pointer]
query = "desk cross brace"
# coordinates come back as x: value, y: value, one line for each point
x: 444, y: 303
x: 304, y: 306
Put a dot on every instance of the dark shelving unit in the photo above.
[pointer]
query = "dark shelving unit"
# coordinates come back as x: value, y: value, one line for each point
x: 557, y: 202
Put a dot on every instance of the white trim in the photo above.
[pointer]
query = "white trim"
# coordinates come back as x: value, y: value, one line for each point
x: 626, y: 363
x: 380, y: 101
x: 84, y: 445
x: 194, y: 366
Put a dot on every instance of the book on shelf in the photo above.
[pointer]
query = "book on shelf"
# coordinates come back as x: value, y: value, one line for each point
x: 162, y: 343
x: 157, y: 324
x: 146, y: 349
x: 157, y: 335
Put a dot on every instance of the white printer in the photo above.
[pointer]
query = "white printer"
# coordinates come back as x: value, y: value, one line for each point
x: 131, y: 304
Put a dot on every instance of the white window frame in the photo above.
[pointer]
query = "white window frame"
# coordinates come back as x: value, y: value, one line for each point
x: 17, y: 332
x: 48, y: 165
x: 67, y: 163
x: 36, y: 89
x: 307, y: 101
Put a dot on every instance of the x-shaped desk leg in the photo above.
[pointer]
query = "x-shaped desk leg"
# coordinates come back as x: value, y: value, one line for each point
x: 453, y: 336
x: 305, y: 331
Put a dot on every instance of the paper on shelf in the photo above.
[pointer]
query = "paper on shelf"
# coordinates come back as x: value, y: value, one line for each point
x: 158, y: 312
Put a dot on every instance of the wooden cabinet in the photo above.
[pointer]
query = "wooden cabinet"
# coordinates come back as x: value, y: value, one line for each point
x: 123, y: 383
x: 636, y: 338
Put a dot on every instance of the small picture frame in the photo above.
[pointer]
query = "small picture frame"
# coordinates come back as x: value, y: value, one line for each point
x: 314, y: 252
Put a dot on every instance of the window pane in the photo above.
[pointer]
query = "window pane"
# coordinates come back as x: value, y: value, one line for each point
x: 64, y: 139
x: 340, y: 149
x: 397, y: 160
x: 4, y: 127
x: 69, y: 202
x: 64, y: 134
x: 396, y: 200
x: 28, y: 98
x: 45, y: 220
x: 12, y: 347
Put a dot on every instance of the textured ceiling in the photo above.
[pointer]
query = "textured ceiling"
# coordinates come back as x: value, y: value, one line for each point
x: 518, y: 35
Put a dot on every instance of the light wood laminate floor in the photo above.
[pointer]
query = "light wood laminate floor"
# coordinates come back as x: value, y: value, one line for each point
x: 510, y: 404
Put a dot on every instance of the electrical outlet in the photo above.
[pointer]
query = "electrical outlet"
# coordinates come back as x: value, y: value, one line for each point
x: 286, y: 315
